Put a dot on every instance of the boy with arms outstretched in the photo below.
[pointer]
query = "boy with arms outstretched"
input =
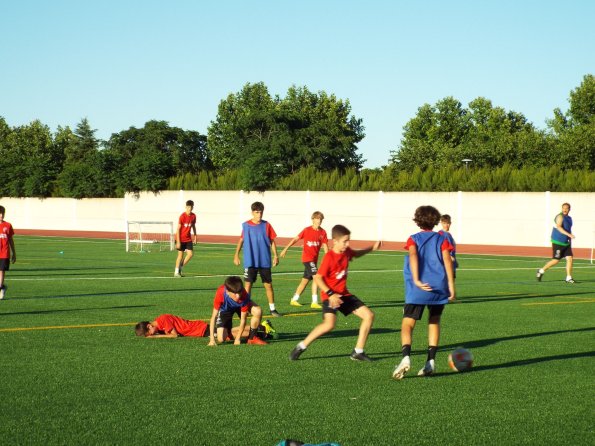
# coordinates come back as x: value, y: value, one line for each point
x: 332, y: 280
x: 184, y: 238
x: 429, y: 281
x: 258, y: 240
x: 314, y: 238
x: 7, y: 252
x: 231, y: 298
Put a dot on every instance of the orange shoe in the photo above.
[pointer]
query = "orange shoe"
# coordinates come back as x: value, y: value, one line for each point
x: 256, y: 341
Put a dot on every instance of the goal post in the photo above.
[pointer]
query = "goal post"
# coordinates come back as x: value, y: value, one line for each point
x: 149, y: 236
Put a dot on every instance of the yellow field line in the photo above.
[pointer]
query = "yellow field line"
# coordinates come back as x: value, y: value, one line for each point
x: 562, y: 303
x: 127, y: 324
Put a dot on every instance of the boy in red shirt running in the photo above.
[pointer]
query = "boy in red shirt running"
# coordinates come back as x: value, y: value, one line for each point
x: 7, y: 251
x: 314, y: 238
x: 332, y: 280
x: 184, y: 239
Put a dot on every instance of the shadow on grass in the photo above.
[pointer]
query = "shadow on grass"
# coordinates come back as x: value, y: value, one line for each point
x: 286, y: 337
x: 20, y: 313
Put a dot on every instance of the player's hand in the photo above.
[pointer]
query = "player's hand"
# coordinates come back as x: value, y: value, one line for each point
x: 275, y: 261
x: 377, y: 246
x: 177, y: 245
x: 237, y: 341
x: 14, y: 258
x: 283, y: 253
x: 236, y: 260
x: 212, y: 343
x: 423, y: 286
x: 452, y: 299
x: 335, y: 301
x: 572, y: 236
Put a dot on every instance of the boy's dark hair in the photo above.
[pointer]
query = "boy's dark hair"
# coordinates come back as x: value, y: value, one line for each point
x: 446, y: 219
x: 339, y: 231
x: 2, y: 210
x: 233, y: 284
x: 142, y: 328
x: 190, y: 203
x: 426, y: 217
x: 257, y: 206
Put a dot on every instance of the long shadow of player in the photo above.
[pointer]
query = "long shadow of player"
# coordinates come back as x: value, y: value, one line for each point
x: 292, y: 337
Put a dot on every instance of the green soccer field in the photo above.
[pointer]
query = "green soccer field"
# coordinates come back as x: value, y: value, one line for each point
x: 74, y: 373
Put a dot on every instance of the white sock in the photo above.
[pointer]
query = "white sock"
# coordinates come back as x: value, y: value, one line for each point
x: 272, y: 307
x: 314, y: 298
x: 177, y: 270
x: 541, y: 271
x: 302, y: 346
x: 568, y: 277
x: 295, y: 297
x: 358, y: 350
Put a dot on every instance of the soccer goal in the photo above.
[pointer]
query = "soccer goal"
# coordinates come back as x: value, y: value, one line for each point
x: 149, y: 236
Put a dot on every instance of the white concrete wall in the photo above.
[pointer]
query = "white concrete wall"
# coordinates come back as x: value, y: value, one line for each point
x: 494, y: 218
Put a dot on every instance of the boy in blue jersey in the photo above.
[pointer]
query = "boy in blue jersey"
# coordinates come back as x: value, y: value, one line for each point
x: 445, y: 222
x: 561, y: 243
x: 258, y: 240
x: 231, y: 298
x: 429, y: 281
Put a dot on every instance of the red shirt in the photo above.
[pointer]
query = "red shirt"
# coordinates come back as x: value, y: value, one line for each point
x: 445, y: 245
x: 6, y: 233
x: 223, y: 302
x: 186, y: 221
x: 167, y: 322
x: 313, y: 241
x: 334, y: 271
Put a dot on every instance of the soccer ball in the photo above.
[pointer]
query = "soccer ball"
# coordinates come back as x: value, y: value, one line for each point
x: 460, y: 360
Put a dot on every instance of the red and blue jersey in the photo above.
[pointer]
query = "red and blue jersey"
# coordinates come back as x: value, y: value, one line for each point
x: 224, y: 303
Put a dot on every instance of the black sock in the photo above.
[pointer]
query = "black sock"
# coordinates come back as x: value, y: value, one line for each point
x: 432, y: 352
x: 252, y: 333
x: 406, y: 349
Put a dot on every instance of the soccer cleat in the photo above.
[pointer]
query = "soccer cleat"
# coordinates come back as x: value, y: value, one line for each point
x: 295, y: 303
x: 571, y: 280
x: 428, y: 369
x: 539, y: 276
x: 268, y: 326
x: 179, y: 274
x: 256, y: 341
x: 295, y: 353
x: 402, y: 369
x: 315, y: 306
x: 360, y: 357
x: 2, y: 292
x: 275, y: 313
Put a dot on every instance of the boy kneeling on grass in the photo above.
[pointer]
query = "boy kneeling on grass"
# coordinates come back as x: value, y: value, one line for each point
x: 231, y: 298
x: 332, y: 280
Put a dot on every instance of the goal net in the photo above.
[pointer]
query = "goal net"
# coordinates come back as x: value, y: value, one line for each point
x: 149, y: 236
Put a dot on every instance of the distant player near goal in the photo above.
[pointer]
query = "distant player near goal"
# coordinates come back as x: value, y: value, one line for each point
x: 561, y: 243
x: 184, y: 238
x: 7, y: 251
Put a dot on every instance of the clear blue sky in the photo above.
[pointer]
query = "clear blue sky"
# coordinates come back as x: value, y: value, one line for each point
x: 122, y: 63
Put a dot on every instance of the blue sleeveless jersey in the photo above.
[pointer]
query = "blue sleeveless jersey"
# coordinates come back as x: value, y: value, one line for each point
x: 230, y: 305
x: 431, y: 271
x: 257, y: 245
x: 557, y: 237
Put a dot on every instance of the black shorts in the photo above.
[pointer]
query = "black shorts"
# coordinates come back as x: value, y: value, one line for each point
x: 349, y: 305
x: 4, y: 264
x: 185, y: 246
x: 415, y: 311
x: 310, y: 270
x: 265, y: 275
x: 559, y: 251
x: 224, y: 319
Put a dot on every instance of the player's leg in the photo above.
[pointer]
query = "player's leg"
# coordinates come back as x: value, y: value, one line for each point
x: 433, y: 339
x: 329, y: 319
x: 411, y: 314
x: 298, y: 292
x: 249, y: 278
x: 569, y: 278
x: 367, y: 317
x: 267, y: 283
x: 2, y: 288
x: 179, y: 260
x: 256, y: 313
x: 188, y: 256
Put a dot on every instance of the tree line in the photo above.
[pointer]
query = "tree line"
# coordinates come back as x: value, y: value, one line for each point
x: 308, y: 140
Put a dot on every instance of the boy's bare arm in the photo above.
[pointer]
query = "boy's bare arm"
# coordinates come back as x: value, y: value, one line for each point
x: 12, y: 250
x: 178, y: 235
x: 363, y: 252
x: 289, y: 245
x: 274, y: 250
x: 238, y: 339
x: 335, y: 298
x: 194, y: 240
x: 414, y: 267
x: 172, y: 334
x: 559, y: 221
x: 212, y: 341
x: 450, y: 274
x: 236, y: 256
